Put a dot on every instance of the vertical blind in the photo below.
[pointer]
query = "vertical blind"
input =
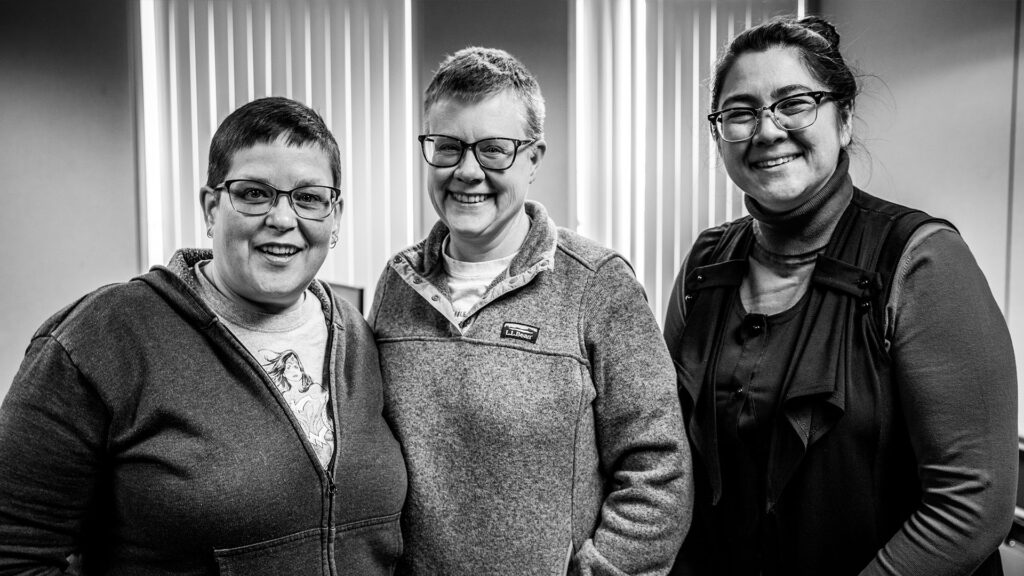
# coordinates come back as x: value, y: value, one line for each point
x: 351, y: 60
x: 647, y: 175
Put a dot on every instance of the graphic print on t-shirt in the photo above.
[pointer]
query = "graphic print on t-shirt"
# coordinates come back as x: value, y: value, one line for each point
x: 307, y: 399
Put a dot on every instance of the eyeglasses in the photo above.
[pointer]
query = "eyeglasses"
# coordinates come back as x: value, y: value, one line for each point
x: 491, y: 153
x: 790, y: 113
x: 256, y: 198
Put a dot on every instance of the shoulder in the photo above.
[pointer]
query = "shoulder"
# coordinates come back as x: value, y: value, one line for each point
x: 110, y: 304
x: 582, y: 251
x: 348, y: 317
x: 709, y: 239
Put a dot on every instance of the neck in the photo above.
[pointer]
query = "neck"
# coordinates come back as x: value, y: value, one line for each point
x: 215, y: 277
x: 805, y: 230
x: 486, y: 248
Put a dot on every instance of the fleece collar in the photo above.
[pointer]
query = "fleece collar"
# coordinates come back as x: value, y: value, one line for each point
x: 422, y: 266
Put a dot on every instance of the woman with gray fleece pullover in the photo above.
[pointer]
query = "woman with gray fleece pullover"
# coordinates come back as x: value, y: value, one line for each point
x: 524, y: 374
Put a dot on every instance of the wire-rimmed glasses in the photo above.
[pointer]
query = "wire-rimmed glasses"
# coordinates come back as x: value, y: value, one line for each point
x: 443, y: 151
x: 794, y: 112
x: 255, y: 198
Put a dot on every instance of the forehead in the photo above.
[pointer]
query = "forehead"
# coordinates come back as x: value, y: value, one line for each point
x: 766, y: 76
x: 499, y: 115
x: 281, y: 163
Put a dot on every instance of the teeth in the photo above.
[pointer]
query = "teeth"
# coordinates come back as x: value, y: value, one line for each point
x: 280, y: 250
x: 774, y: 162
x: 469, y: 198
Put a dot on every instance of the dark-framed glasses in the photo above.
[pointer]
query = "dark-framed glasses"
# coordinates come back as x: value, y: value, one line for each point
x: 442, y: 151
x: 793, y: 112
x: 256, y: 198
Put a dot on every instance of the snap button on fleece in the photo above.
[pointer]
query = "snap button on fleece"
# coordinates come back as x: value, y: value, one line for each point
x: 417, y: 280
x: 434, y: 298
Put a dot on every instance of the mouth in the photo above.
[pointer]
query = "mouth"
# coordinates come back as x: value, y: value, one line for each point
x: 774, y: 162
x: 278, y: 252
x: 462, y: 198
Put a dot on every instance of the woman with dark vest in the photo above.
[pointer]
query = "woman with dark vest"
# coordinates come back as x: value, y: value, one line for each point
x: 847, y: 379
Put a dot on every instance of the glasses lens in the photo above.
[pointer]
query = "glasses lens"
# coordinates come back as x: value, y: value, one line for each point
x: 313, y: 201
x: 442, y: 151
x: 738, y: 124
x: 496, y: 153
x: 796, y: 113
x: 250, y: 197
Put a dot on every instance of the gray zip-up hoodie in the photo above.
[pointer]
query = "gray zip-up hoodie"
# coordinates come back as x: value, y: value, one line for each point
x: 543, y: 433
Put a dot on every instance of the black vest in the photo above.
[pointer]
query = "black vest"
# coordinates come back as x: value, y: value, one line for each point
x: 841, y: 474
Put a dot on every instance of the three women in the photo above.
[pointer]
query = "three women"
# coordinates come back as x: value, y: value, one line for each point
x: 846, y: 378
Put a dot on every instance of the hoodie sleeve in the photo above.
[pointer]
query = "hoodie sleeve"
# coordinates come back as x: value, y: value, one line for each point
x: 52, y: 427
x: 641, y: 440
x: 955, y: 370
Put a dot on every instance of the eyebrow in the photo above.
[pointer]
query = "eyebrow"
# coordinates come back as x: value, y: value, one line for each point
x: 297, y: 184
x: 777, y: 93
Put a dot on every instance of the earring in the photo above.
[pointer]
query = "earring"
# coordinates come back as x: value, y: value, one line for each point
x: 334, y: 240
x: 209, y: 232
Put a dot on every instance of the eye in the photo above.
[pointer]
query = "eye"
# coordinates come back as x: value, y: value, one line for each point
x: 796, y: 105
x: 251, y: 192
x: 312, y: 195
x: 495, y: 147
x: 447, y: 146
x: 738, y: 116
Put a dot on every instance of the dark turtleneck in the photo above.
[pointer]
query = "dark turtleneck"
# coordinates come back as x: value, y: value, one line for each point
x: 797, y: 235
x: 787, y: 243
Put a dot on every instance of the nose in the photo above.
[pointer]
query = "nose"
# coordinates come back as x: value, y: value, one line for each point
x: 468, y: 169
x: 767, y: 129
x: 282, y: 214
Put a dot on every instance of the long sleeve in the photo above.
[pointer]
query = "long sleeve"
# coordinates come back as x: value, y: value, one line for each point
x: 640, y: 434
x: 955, y: 371
x: 675, y: 317
x: 52, y: 427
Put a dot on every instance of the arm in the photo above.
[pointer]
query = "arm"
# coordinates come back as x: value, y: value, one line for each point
x: 953, y: 363
x: 675, y: 317
x: 52, y: 427
x: 641, y: 441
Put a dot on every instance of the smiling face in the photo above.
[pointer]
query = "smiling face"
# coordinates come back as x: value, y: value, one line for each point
x: 780, y: 169
x: 267, y: 261
x: 483, y: 209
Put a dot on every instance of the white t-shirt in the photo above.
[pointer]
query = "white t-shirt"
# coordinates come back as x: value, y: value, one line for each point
x: 290, y: 347
x: 467, y: 281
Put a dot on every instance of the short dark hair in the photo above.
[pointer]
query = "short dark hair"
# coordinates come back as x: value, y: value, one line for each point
x: 263, y: 121
x: 817, y: 42
x: 475, y: 73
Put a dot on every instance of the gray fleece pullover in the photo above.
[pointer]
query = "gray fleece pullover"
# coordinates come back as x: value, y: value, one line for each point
x: 543, y: 434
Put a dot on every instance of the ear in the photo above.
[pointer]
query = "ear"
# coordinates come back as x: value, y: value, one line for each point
x: 845, y: 126
x: 209, y: 202
x: 336, y: 226
x: 536, y: 155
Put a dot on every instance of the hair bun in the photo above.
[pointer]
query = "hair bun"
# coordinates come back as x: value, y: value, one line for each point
x: 822, y: 27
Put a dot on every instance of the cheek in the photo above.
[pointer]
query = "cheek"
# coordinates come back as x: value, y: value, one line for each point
x: 318, y: 235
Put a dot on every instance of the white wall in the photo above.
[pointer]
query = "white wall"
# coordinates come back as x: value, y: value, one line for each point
x: 68, y: 222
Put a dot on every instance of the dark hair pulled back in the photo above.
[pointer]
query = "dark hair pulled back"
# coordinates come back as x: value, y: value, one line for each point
x: 815, y: 38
